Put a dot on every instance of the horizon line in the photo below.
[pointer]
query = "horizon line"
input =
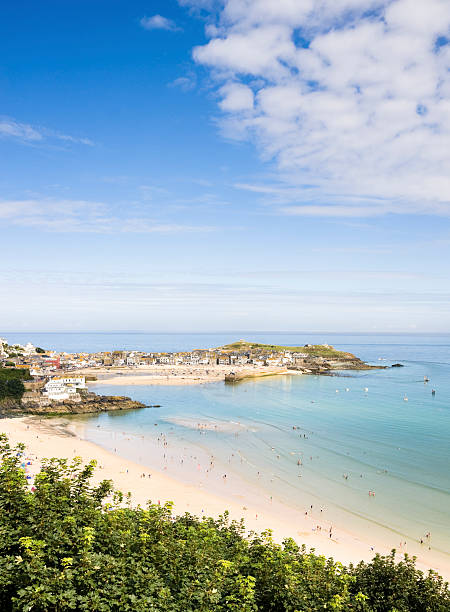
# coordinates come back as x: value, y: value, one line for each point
x: 200, y: 333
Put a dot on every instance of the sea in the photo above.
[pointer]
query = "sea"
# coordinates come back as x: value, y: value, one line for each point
x: 321, y: 441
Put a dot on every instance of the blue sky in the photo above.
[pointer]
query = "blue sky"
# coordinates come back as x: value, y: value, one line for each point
x: 227, y: 165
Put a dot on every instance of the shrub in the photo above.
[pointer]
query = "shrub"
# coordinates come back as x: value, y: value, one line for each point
x: 70, y: 545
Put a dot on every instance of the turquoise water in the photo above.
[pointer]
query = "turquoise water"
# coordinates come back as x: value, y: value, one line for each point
x: 398, y: 449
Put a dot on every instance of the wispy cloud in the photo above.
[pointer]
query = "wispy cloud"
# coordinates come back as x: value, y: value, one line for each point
x: 332, y: 211
x: 20, y: 131
x: 311, y: 200
x: 158, y: 22
x: 80, y: 216
x: 350, y: 99
x: 24, y: 132
x: 185, y: 83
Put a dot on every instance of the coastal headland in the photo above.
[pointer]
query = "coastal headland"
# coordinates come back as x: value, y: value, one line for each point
x: 48, y: 382
x: 231, y: 363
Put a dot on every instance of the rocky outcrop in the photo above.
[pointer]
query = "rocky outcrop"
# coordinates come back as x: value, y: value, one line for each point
x: 309, y: 365
x: 9, y: 404
x: 89, y: 404
x: 325, y: 366
x: 350, y: 363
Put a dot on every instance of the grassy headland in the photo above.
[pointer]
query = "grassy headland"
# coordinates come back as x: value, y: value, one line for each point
x: 311, y: 350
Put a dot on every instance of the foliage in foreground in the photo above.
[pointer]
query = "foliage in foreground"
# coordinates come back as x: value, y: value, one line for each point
x: 62, y: 547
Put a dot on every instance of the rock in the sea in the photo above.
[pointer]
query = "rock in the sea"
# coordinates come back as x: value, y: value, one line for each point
x: 397, y: 365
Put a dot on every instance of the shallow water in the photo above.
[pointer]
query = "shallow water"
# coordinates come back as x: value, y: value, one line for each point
x: 398, y: 449
x: 348, y: 441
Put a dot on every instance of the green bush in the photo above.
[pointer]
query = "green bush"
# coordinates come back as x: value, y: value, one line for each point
x: 70, y: 545
x: 11, y: 388
x: 19, y: 373
x: 11, y: 384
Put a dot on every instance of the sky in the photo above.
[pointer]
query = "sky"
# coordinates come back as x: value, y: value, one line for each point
x: 202, y: 165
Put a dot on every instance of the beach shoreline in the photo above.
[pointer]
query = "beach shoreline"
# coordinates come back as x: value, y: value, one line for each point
x: 64, y: 438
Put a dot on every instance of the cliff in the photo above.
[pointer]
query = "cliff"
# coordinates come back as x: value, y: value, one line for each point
x: 91, y: 404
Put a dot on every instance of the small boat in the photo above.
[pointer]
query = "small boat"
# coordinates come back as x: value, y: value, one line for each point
x: 426, y: 379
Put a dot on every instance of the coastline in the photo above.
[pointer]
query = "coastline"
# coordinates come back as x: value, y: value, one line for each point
x: 63, y: 438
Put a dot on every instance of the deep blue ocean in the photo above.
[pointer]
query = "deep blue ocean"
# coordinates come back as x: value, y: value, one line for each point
x: 393, y: 439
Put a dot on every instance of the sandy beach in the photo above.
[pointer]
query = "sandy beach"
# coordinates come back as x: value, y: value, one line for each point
x: 174, y: 374
x: 59, y: 438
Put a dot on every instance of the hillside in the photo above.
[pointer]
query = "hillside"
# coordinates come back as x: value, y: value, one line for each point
x: 316, y: 350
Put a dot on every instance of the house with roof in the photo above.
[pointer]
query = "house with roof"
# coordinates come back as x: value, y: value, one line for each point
x: 65, y: 387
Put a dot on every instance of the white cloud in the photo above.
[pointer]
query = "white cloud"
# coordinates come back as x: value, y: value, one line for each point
x: 236, y: 97
x: 81, y: 216
x: 350, y: 98
x: 10, y: 128
x: 158, y: 22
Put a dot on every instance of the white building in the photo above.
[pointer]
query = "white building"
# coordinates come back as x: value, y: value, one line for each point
x: 72, y: 380
x: 65, y: 387
x: 29, y: 349
x: 55, y: 389
x: 36, y: 372
x: 132, y: 360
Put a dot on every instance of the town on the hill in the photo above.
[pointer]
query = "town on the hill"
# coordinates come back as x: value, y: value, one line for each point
x: 60, y: 376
